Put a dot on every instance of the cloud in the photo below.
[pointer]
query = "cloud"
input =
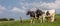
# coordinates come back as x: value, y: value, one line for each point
x: 35, y: 5
x: 41, y: 5
x: 53, y: 5
x: 2, y: 9
x: 15, y: 9
x: 49, y: 6
x: 58, y: 3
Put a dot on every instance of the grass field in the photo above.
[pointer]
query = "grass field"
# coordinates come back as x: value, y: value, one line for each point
x: 26, y: 23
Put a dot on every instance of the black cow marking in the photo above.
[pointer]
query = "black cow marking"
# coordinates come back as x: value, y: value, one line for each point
x: 38, y: 13
x: 47, y: 13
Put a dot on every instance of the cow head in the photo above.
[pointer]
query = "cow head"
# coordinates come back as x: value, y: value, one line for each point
x: 31, y: 13
x: 28, y: 12
x: 39, y: 12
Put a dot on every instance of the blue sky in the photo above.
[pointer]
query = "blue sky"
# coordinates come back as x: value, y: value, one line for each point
x: 17, y: 8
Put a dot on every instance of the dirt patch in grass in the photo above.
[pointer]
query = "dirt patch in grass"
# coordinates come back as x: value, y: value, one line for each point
x: 57, y: 19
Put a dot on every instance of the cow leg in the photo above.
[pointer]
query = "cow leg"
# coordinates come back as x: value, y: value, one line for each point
x: 34, y: 20
x: 31, y: 20
x: 40, y: 18
x: 43, y: 19
x: 52, y: 18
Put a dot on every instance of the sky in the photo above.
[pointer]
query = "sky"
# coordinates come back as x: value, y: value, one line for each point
x: 16, y: 8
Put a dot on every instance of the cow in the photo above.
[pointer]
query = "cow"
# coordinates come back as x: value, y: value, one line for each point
x: 42, y: 15
x: 39, y: 15
x: 50, y: 14
x: 32, y: 15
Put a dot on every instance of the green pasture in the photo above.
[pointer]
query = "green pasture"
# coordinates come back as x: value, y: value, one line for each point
x: 26, y: 23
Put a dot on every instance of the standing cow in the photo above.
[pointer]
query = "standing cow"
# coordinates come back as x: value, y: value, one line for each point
x: 43, y: 14
x: 32, y: 15
x: 40, y: 15
x: 49, y: 14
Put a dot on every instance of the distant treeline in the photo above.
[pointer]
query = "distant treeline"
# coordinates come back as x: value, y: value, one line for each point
x: 5, y: 19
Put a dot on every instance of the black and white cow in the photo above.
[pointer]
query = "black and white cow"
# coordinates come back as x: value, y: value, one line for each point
x: 49, y: 14
x: 43, y: 14
x: 39, y: 15
x: 32, y: 15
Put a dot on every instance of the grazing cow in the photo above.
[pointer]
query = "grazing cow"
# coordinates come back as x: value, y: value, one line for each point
x: 32, y: 15
x: 49, y: 14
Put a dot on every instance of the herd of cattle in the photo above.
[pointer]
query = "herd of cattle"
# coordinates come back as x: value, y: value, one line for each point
x: 42, y: 15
